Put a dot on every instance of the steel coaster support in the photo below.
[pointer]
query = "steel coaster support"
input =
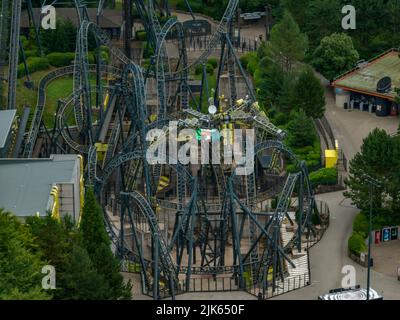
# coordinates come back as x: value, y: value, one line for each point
x: 161, y: 257
x: 237, y: 257
x: 35, y: 26
x: 231, y: 67
x: 14, y: 53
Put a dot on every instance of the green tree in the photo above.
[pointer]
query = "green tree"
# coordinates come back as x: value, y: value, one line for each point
x: 378, y: 158
x: 298, y: 9
x: 301, y: 131
x: 287, y: 44
x: 61, y: 39
x: 20, y: 271
x: 55, y: 241
x: 335, y: 55
x: 274, y: 86
x: 309, y: 95
x: 95, y: 240
x: 81, y: 280
x: 323, y: 18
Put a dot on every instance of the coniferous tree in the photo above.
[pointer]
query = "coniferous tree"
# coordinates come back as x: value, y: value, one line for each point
x: 301, y: 130
x: 95, y: 240
x: 81, y: 280
x: 378, y: 158
x: 20, y: 265
x: 309, y: 95
x: 287, y: 44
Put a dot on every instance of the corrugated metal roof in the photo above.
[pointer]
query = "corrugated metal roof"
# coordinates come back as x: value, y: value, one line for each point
x: 25, y: 184
x: 6, y: 121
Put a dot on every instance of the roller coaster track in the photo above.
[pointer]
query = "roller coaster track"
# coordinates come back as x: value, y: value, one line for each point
x: 4, y: 29
x: 113, y: 141
x: 168, y: 266
x: 92, y: 164
x: 14, y: 53
x: 275, y: 224
x: 41, y: 102
x: 81, y: 78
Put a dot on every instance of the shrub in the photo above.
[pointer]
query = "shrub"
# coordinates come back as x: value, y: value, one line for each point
x: 141, y: 35
x: 34, y: 64
x: 361, y: 224
x: 274, y: 203
x: 252, y: 66
x: 356, y: 243
x: 257, y: 78
x: 31, y: 53
x: 210, y: 69
x: 324, y: 176
x: 213, y: 62
x: 281, y: 119
x: 245, y: 59
x: 61, y: 59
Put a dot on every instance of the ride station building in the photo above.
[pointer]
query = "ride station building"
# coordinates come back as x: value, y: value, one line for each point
x: 371, y: 86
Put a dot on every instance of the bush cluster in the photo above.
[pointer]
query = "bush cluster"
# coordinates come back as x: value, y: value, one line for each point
x: 324, y: 176
x: 34, y: 64
x: 356, y: 243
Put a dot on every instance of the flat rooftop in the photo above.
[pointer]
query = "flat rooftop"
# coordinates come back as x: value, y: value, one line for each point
x: 365, y: 79
x: 6, y: 121
x: 25, y: 184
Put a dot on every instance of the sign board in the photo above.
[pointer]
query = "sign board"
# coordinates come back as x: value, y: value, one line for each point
x: 197, y: 28
x: 394, y: 233
x: 386, y: 235
x: 362, y: 257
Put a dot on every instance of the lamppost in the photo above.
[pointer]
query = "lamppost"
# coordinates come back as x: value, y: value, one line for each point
x: 372, y: 183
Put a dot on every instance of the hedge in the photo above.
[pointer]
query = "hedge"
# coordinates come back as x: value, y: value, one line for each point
x: 356, y: 243
x: 34, y: 64
x: 61, y: 59
x: 324, y: 176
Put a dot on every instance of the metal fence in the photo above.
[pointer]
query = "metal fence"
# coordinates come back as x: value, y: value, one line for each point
x: 288, y: 285
x: 201, y: 43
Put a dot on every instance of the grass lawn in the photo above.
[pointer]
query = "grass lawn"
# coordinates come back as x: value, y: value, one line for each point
x: 57, y: 89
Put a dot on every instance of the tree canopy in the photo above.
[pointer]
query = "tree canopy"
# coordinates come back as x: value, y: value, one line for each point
x: 309, y: 95
x: 379, y: 158
x: 335, y: 55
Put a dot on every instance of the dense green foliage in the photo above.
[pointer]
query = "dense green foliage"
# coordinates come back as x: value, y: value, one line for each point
x: 301, y: 131
x: 335, y: 55
x: 33, y: 64
x: 85, y: 265
x: 309, y: 95
x: 61, y: 39
x: 356, y: 243
x: 61, y: 59
x: 97, y: 244
x: 324, y: 176
x: 379, y: 158
x: 20, y: 264
x: 287, y: 44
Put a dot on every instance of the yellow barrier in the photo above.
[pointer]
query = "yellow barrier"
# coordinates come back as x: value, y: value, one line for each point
x: 55, y: 210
